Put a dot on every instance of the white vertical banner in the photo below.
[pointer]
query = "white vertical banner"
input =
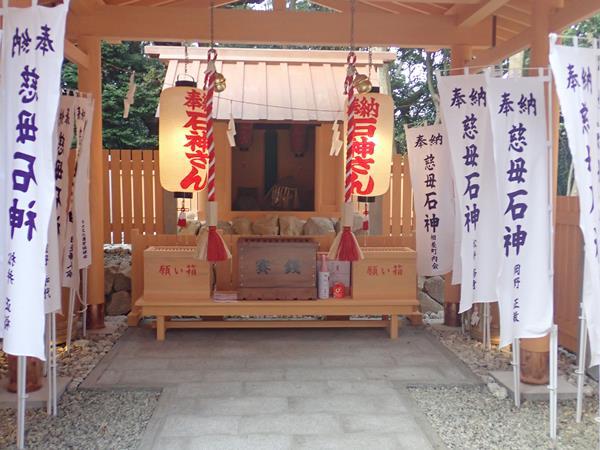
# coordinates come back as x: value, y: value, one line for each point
x: 3, y: 163
x: 429, y: 158
x: 517, y: 107
x: 64, y: 138
x: 32, y: 57
x: 56, y: 234
x: 463, y: 100
x: 81, y: 197
x: 576, y: 76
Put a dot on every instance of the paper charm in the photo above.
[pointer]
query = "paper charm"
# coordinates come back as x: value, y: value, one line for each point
x: 231, y: 132
x: 129, y: 97
x: 336, y: 142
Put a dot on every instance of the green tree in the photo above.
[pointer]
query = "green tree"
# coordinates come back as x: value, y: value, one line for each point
x: 413, y: 82
x: 139, y: 130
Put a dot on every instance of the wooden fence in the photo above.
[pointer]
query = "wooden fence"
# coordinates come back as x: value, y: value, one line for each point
x: 397, y: 204
x: 568, y: 270
x: 132, y: 194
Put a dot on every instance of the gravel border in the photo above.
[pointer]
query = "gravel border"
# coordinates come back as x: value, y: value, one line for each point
x: 88, y: 419
x: 470, y: 417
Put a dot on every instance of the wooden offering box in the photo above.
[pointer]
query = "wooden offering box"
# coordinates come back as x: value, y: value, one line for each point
x: 172, y: 273
x: 385, y: 273
x: 277, y: 268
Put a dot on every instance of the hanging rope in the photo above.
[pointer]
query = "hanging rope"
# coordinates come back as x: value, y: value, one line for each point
x: 209, y: 87
x: 210, y: 244
x: 345, y: 246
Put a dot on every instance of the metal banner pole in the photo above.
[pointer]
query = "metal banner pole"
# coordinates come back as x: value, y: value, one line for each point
x: 581, y: 363
x: 21, y: 399
x: 516, y: 362
x: 48, y: 364
x: 53, y: 368
x: 552, y: 387
x: 488, y: 326
x: 47, y: 343
x: 85, y: 303
x: 70, y: 317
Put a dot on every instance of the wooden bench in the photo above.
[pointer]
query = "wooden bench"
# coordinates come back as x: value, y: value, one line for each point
x: 388, y: 309
x: 227, y: 314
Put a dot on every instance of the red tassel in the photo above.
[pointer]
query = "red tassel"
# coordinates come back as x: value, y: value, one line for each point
x: 348, y: 249
x: 216, y: 249
x: 181, y: 221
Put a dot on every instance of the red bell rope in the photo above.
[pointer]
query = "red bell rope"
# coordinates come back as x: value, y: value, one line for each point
x: 209, y: 87
x: 349, y: 91
x: 211, y: 246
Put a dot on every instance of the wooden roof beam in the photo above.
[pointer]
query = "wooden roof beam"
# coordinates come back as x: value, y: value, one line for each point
x: 280, y: 27
x: 574, y: 12
x: 76, y: 55
x: 475, y: 14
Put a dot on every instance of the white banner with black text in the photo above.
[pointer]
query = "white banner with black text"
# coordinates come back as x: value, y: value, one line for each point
x: 32, y: 58
x: 429, y: 160
x: 463, y: 100
x: 517, y: 107
x: 576, y: 77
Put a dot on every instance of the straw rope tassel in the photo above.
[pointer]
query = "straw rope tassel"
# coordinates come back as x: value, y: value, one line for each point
x: 211, y: 246
x: 345, y: 246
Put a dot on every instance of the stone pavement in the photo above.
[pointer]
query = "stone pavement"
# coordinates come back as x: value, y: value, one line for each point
x: 282, y: 389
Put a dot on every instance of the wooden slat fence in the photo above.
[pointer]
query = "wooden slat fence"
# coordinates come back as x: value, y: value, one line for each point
x: 397, y: 208
x: 132, y: 194
x: 568, y: 270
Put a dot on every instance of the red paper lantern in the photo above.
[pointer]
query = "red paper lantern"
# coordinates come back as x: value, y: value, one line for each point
x: 243, y: 136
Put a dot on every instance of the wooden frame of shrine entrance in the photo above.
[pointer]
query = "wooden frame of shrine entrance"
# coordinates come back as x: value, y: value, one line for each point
x: 478, y: 32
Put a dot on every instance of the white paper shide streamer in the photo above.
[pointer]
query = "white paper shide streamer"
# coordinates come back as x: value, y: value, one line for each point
x: 463, y: 100
x: 32, y: 56
x: 429, y: 158
x: 576, y: 75
x: 519, y: 123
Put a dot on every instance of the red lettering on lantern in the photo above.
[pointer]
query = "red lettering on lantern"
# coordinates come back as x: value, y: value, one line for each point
x: 366, y: 112
x: 196, y: 140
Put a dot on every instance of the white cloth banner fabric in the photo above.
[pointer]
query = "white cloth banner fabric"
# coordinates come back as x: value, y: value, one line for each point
x: 3, y: 182
x: 81, y: 198
x: 576, y: 76
x: 517, y: 108
x: 32, y: 57
x: 429, y: 158
x: 457, y: 235
x: 63, y: 137
x: 463, y: 101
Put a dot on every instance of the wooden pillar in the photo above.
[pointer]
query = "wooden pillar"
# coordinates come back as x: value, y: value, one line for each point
x: 460, y: 55
x: 90, y: 81
x: 535, y: 352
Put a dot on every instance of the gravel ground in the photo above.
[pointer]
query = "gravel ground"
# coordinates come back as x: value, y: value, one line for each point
x: 87, y: 419
x: 483, y: 417
x: 472, y: 418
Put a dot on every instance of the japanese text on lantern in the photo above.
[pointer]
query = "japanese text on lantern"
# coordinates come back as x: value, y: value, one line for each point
x: 366, y: 113
x: 431, y: 221
x: 22, y: 208
x: 515, y: 236
x: 196, y: 139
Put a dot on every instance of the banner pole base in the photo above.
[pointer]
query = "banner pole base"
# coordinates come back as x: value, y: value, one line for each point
x: 553, y: 376
x: 581, y: 364
x: 21, y: 399
x: 516, y: 362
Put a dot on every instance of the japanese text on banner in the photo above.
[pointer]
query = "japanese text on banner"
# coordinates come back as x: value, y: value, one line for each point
x: 463, y: 100
x: 429, y: 157
x: 519, y: 126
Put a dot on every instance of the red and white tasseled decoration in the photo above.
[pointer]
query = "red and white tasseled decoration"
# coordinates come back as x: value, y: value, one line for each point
x: 211, y: 246
x: 345, y: 246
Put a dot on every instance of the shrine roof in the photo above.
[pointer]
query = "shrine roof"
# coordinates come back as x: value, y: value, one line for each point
x: 274, y: 84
